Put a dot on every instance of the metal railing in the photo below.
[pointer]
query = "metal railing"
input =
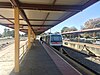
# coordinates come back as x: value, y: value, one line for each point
x: 87, y: 48
x: 22, y: 50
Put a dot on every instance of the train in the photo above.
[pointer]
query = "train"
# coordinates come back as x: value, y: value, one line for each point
x: 54, y: 40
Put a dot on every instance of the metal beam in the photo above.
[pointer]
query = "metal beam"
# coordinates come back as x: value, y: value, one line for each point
x: 48, y: 13
x: 6, y: 19
x: 40, y: 6
x: 15, y: 3
x: 46, y: 7
x: 33, y: 19
x: 90, y: 2
x: 45, y: 18
x: 6, y: 25
x: 29, y: 37
x: 27, y: 25
x: 42, y: 25
x: 5, y: 5
x: 34, y: 36
x: 16, y: 14
x: 50, y: 7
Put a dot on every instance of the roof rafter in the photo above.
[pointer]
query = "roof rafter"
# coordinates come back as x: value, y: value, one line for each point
x: 31, y: 25
x: 48, y: 13
x: 6, y: 19
x: 5, y: 25
x: 34, y: 19
x: 51, y: 7
x: 89, y: 3
x: 15, y: 3
x: 5, y: 5
x: 41, y: 6
x: 41, y: 25
x: 71, y: 9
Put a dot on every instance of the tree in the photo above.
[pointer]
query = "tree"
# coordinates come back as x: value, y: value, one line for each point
x: 43, y: 34
x: 86, y: 35
x: 8, y: 32
x: 12, y: 33
x: 5, y: 32
x: 57, y: 32
x: 92, y: 23
x: 0, y: 35
x: 65, y: 29
x: 73, y: 29
x: 26, y: 34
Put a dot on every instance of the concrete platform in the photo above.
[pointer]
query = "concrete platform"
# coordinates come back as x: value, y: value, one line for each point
x: 38, y: 62
x: 43, y: 60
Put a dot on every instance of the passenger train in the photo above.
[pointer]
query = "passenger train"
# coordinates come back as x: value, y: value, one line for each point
x: 54, y: 40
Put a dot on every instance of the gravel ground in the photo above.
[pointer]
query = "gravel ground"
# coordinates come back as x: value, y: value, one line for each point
x: 6, y: 42
x: 7, y: 59
x: 90, y: 62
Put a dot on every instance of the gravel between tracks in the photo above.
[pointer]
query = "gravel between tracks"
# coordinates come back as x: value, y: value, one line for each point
x: 90, y: 62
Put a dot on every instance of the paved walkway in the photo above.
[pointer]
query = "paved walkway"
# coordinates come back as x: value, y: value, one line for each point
x: 38, y: 62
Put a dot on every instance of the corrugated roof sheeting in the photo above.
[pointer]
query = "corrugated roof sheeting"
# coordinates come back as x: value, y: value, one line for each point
x: 32, y: 14
x: 8, y: 13
x: 21, y: 22
x: 49, y: 22
x: 4, y: 0
x: 58, y: 2
x: 55, y: 15
x: 41, y: 14
x: 37, y: 1
x: 70, y: 2
x: 5, y: 21
x: 36, y: 22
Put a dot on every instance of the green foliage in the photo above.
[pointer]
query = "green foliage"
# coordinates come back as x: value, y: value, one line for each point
x: 0, y: 35
x: 57, y: 32
x: 73, y: 29
x: 8, y: 33
x: 92, y: 23
x: 66, y: 29
x: 86, y: 35
x: 12, y: 33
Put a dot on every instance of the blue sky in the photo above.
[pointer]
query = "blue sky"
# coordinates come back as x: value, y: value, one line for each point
x: 79, y: 19
x: 2, y: 29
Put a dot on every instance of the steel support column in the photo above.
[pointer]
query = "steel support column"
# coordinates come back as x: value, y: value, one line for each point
x: 78, y: 37
x: 29, y: 37
x: 94, y: 36
x: 34, y: 35
x: 16, y: 16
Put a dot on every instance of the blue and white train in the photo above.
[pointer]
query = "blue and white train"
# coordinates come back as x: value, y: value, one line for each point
x: 54, y: 40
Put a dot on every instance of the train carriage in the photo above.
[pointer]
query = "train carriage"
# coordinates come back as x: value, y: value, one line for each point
x: 54, y: 40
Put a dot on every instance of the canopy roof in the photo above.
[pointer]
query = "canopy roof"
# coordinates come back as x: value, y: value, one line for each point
x: 41, y: 15
x: 83, y: 31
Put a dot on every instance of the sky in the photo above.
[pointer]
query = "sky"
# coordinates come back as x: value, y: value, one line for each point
x: 79, y: 19
x: 3, y: 27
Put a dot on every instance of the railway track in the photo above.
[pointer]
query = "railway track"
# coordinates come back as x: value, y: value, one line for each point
x: 79, y: 61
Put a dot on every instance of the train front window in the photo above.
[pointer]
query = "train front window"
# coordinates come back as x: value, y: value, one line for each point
x: 56, y: 38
